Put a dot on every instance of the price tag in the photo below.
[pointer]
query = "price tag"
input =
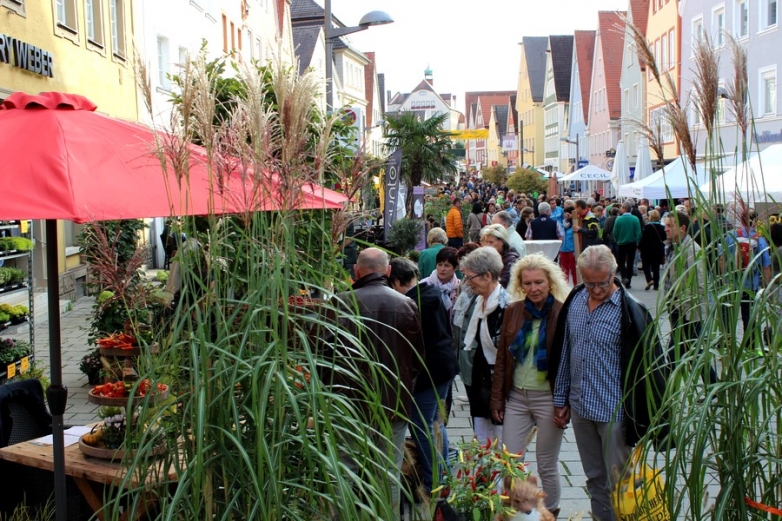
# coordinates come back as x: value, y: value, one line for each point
x: 11, y: 371
x: 25, y: 365
x: 23, y: 226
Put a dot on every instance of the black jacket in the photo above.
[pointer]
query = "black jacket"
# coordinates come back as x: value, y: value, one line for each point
x: 644, y: 369
x: 439, y: 357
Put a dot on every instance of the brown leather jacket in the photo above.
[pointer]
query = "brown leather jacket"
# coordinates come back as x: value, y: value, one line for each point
x: 393, y: 336
x: 515, y: 316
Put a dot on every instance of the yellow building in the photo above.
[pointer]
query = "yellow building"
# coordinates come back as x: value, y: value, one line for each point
x: 529, y: 100
x: 663, y: 35
x: 77, y: 46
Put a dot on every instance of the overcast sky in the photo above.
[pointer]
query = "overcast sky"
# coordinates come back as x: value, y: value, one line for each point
x: 469, y: 45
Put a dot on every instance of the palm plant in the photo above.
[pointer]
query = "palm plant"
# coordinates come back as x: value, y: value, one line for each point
x: 426, y: 148
x: 260, y: 431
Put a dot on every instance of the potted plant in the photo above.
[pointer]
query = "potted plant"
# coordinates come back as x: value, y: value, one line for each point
x: 405, y: 234
x: 91, y: 365
x: 474, y: 484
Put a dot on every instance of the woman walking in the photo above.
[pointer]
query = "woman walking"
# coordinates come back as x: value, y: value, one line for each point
x: 482, y: 326
x: 652, y: 248
x: 521, y: 396
x: 475, y: 222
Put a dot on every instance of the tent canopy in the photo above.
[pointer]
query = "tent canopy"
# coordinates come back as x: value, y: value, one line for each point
x: 759, y: 179
x: 588, y: 173
x: 676, y: 179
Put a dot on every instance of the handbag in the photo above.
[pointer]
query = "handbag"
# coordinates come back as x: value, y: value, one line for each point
x: 640, y: 496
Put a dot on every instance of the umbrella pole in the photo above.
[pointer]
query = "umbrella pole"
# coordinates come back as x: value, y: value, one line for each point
x: 57, y: 394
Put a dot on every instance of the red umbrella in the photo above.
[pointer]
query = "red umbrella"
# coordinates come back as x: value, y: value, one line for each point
x: 85, y: 166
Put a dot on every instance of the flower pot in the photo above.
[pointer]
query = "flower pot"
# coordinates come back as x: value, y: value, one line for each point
x: 93, y: 377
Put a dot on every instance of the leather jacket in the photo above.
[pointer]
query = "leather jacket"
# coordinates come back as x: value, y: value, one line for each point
x: 643, y: 365
x: 506, y: 364
x: 392, y: 336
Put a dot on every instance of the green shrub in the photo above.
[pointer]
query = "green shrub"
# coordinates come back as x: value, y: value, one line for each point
x: 161, y: 276
x: 405, y: 234
x: 12, y: 350
x: 21, y: 243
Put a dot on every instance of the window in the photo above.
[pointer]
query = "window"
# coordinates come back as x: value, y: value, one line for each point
x: 163, y: 63
x: 672, y: 49
x: 635, y: 96
x: 65, y: 14
x: 94, y: 21
x: 742, y: 18
x: 183, y: 53
x: 656, y: 53
x: 626, y: 100
x: 697, y: 33
x: 16, y: 6
x: 768, y: 14
x: 118, y: 27
x: 660, y: 124
x: 664, y: 52
x: 718, y: 26
x: 225, y: 34
x: 768, y: 91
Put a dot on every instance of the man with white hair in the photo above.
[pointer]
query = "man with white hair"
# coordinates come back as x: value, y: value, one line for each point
x: 514, y: 239
x: 543, y: 227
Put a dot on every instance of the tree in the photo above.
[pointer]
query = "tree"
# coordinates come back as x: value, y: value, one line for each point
x: 426, y: 149
x: 495, y: 174
x: 527, y: 181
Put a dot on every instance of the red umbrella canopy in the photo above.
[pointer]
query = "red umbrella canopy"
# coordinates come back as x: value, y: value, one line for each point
x: 85, y: 166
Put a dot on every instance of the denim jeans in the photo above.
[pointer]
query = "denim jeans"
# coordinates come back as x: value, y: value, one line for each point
x: 426, y: 405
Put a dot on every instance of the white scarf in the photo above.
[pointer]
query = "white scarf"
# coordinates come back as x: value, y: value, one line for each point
x: 479, y: 315
x: 447, y: 290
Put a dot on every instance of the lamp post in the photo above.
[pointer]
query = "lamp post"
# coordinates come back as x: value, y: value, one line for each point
x: 330, y: 33
x: 573, y: 142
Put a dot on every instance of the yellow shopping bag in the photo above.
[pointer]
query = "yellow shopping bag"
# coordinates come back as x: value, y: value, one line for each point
x: 641, y: 495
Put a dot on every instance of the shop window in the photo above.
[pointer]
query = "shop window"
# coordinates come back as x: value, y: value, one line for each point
x: 118, y: 28
x: 93, y: 14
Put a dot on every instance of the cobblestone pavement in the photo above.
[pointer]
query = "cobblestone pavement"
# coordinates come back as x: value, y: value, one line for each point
x: 575, y: 502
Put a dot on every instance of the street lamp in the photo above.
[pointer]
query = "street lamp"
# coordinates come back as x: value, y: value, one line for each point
x: 330, y: 33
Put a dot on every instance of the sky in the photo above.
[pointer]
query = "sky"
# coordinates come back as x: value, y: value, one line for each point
x: 469, y: 45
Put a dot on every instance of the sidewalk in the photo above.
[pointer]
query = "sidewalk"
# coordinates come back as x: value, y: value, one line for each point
x: 575, y: 502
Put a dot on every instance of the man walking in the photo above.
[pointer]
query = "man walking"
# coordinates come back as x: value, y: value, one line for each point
x: 543, y: 227
x: 454, y: 226
x: 393, y: 338
x: 589, y: 231
x: 627, y: 235
x: 604, y: 382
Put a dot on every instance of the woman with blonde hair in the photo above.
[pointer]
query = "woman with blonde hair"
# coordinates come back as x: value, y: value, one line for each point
x: 522, y: 392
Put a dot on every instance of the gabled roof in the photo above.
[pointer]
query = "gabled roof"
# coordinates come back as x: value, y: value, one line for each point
x: 639, y: 14
x: 472, y: 114
x: 487, y: 98
x: 397, y: 99
x: 381, y: 86
x: 535, y: 55
x: 308, y: 12
x: 562, y: 63
x: 612, y: 37
x: 513, y: 114
x: 501, y: 113
x: 304, y: 41
x: 424, y: 85
x: 585, y: 53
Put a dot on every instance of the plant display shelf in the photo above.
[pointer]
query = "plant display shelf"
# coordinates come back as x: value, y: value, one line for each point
x: 11, y: 288
x: 13, y: 254
x: 14, y: 322
x: 9, y: 225
x: 134, y: 351
x: 19, y: 366
x: 154, y: 396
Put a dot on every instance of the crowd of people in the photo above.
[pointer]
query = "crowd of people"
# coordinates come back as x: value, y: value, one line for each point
x: 542, y: 343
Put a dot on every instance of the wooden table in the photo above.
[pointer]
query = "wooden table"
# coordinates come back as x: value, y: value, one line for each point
x: 90, y: 474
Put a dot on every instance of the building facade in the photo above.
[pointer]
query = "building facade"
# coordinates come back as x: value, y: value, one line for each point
x: 580, y: 82
x: 529, y: 100
x: 556, y: 99
x: 479, y: 104
x: 755, y: 25
x: 633, y: 81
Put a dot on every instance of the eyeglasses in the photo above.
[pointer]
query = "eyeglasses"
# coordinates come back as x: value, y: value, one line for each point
x: 469, y: 279
x: 601, y: 285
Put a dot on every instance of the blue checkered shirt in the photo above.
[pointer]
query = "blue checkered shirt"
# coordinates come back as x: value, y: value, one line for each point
x: 590, y: 375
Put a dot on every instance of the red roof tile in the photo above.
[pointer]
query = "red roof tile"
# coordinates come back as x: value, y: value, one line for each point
x: 639, y: 10
x: 612, y: 37
x: 585, y: 54
x: 487, y: 99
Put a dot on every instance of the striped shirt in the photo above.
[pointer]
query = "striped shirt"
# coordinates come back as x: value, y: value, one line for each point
x: 590, y: 374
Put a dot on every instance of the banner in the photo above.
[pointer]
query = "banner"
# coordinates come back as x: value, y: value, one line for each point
x: 480, y: 133
x: 391, y: 187
x: 508, y: 142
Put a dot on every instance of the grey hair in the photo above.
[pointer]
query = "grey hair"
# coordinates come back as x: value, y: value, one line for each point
x: 544, y: 208
x: 597, y: 257
x: 498, y: 231
x: 373, y: 260
x: 483, y: 260
x: 437, y: 236
x: 628, y: 205
x: 505, y: 217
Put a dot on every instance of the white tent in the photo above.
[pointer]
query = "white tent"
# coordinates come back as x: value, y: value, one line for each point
x: 588, y: 173
x: 675, y: 180
x: 757, y: 179
x: 620, y: 173
x: 643, y: 162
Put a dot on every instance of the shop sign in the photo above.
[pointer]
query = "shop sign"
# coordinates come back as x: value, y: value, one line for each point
x: 26, y: 56
x: 768, y: 137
